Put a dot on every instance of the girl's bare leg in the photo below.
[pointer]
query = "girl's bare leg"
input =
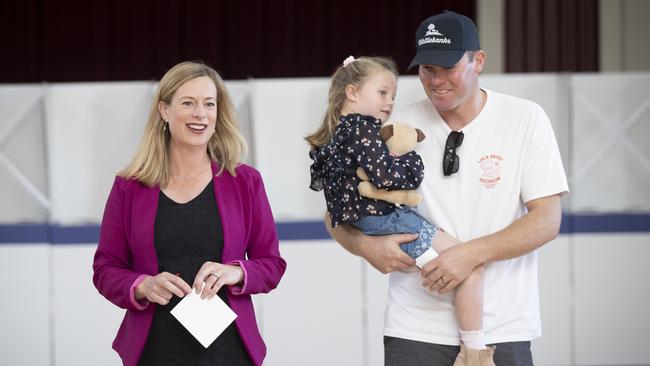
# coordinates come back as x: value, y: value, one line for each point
x: 468, y: 300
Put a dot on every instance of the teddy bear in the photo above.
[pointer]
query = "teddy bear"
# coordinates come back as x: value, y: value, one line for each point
x: 400, y: 138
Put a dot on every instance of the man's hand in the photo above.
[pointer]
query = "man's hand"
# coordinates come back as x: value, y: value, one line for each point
x: 537, y: 227
x: 383, y: 252
x: 450, y: 268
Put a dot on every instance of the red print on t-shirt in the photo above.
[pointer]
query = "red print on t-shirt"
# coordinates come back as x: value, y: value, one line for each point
x: 491, y: 170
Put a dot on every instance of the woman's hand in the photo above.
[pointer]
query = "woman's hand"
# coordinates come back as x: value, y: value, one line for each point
x: 161, y: 287
x: 215, y: 275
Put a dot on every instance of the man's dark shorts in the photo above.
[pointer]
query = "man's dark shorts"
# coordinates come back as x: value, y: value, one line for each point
x: 405, y: 352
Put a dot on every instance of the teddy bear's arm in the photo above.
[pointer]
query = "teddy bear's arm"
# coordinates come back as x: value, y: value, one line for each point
x: 362, y: 174
x: 406, y: 197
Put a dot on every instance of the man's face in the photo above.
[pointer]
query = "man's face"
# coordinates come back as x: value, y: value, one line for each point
x: 449, y: 89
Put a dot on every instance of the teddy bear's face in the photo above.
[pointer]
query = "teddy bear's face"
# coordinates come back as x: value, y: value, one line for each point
x: 403, y: 138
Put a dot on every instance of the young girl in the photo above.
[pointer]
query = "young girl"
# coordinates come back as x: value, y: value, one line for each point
x: 361, y: 96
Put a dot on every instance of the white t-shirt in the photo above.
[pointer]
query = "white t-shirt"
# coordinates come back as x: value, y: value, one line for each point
x: 509, y: 156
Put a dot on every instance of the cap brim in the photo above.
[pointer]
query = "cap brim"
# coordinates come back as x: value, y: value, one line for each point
x: 444, y: 58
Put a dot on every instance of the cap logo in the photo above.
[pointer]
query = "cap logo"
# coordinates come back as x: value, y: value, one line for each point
x: 432, y: 31
x: 430, y: 36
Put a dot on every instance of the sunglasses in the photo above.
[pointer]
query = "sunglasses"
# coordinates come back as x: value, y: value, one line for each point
x: 450, y: 160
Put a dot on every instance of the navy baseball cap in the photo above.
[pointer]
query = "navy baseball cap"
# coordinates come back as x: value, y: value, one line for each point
x: 442, y: 39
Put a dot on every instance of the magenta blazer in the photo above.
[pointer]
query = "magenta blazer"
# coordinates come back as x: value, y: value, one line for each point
x: 126, y: 252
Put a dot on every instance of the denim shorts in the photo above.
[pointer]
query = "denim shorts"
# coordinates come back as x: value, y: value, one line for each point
x: 401, y: 221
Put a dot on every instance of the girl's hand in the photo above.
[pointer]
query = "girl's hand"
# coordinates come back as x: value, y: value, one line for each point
x: 160, y: 288
x: 215, y: 275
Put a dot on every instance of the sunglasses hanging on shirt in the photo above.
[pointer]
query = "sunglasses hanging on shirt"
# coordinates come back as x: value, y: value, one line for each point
x: 450, y: 160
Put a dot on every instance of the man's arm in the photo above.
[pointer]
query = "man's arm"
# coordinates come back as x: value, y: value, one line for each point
x: 382, y: 252
x: 537, y: 227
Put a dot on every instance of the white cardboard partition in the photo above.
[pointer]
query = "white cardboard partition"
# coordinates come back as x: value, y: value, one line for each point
x: 93, y: 131
x: 611, y: 299
x: 85, y: 323
x: 611, y: 131
x: 240, y: 94
x: 25, y: 304
x: 313, y: 317
x: 284, y: 111
x: 374, y: 309
x: 554, y: 347
x: 23, y: 186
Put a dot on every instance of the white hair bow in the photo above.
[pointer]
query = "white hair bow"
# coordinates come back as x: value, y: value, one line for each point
x: 348, y: 61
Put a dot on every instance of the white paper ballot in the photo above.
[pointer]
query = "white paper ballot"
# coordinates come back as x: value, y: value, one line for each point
x: 204, y: 318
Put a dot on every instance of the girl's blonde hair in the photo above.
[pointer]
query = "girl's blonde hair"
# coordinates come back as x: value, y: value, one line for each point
x: 351, y: 73
x: 227, y: 146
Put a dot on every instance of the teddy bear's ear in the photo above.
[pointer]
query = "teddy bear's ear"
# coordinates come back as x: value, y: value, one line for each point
x: 386, y: 132
x: 421, y: 135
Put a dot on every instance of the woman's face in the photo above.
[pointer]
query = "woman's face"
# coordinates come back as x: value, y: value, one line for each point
x: 192, y: 113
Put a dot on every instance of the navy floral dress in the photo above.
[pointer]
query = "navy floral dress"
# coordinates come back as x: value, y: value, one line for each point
x: 356, y: 142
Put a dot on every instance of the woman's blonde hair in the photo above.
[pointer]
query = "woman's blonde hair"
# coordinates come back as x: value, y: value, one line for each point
x: 351, y: 73
x: 227, y: 146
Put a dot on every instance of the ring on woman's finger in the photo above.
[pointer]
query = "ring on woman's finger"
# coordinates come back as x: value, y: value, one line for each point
x: 215, y: 275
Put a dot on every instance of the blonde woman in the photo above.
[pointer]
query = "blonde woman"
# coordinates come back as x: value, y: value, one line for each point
x: 187, y: 215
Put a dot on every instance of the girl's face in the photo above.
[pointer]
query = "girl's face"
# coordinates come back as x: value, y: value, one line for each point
x: 192, y: 112
x: 376, y: 95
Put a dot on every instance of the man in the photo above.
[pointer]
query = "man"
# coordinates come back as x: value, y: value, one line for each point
x: 493, y: 179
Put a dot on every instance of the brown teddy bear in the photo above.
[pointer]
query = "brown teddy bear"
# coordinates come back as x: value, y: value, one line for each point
x: 400, y: 138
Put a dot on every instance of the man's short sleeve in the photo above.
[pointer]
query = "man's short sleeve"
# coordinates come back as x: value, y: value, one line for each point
x: 543, y: 173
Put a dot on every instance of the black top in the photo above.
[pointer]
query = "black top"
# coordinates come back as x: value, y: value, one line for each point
x: 356, y: 142
x: 186, y: 236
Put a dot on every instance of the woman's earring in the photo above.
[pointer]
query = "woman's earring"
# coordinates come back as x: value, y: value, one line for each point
x: 165, y: 123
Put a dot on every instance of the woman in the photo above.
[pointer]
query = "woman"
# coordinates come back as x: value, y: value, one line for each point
x: 187, y: 211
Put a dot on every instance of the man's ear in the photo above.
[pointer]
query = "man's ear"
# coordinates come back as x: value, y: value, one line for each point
x: 351, y: 92
x: 479, y: 61
x: 162, y: 108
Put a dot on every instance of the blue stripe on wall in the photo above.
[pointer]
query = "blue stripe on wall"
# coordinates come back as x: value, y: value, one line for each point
x: 302, y: 230
x: 605, y: 223
x: 313, y: 230
x: 24, y: 233
x: 74, y: 234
